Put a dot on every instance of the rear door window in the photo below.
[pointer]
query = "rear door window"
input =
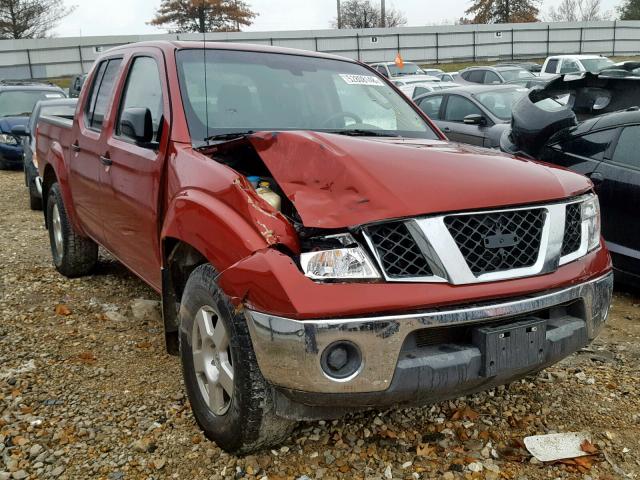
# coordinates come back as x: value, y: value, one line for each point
x: 476, y: 76
x: 431, y: 106
x: 459, y: 107
x: 492, y: 77
x: 552, y: 66
x: 569, y: 66
x: 101, y: 92
x: 626, y: 152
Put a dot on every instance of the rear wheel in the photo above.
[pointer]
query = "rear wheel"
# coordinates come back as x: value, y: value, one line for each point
x: 230, y: 398
x: 73, y: 255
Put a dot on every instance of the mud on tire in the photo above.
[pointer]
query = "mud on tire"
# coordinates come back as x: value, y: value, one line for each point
x: 73, y: 255
x: 245, y: 420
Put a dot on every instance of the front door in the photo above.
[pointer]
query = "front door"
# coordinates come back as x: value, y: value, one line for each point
x: 86, y: 170
x: 136, y: 169
x: 452, y: 123
x: 619, y: 193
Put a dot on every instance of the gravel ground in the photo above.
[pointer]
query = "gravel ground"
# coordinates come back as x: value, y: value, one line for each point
x: 87, y: 391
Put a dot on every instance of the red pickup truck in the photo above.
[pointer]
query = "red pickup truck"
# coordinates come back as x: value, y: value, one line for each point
x: 318, y: 244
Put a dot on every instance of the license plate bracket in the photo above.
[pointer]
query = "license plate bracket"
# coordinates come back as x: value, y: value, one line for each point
x: 512, y: 346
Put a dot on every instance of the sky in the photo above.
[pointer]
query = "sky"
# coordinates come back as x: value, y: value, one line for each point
x: 124, y: 17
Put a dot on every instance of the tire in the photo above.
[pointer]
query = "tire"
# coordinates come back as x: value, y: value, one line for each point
x: 35, y: 201
x: 244, y: 421
x: 73, y: 255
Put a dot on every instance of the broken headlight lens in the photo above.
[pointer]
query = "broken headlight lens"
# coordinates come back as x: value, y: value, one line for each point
x: 351, y: 263
x: 591, y: 217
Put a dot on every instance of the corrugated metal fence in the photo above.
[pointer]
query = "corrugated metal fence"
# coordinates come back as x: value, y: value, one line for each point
x: 54, y: 57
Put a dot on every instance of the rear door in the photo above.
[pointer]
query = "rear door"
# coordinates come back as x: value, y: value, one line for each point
x: 619, y: 193
x: 86, y: 171
x: 452, y: 124
x: 135, y: 173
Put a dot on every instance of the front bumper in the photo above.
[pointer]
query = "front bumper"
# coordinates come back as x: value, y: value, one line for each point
x: 11, y: 155
x: 397, y: 367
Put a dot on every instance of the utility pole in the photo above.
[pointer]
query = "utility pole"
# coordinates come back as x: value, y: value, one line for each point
x: 339, y: 16
x: 383, y: 14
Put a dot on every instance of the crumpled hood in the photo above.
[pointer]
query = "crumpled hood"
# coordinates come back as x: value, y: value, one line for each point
x: 336, y: 181
x: 7, y: 123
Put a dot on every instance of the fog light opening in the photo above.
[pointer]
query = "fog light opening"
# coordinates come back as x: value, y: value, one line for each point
x: 341, y: 360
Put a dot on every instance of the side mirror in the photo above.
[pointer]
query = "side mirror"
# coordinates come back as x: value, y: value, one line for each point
x: 20, y: 131
x: 475, y: 119
x: 136, y: 124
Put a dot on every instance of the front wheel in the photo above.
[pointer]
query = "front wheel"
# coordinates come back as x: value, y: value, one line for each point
x: 73, y: 255
x: 230, y: 398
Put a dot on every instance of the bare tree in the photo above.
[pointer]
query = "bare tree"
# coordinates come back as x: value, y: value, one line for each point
x: 30, y: 18
x: 578, y: 11
x: 363, y: 14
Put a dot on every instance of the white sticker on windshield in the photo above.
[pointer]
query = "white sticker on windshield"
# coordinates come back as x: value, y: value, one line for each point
x: 361, y: 80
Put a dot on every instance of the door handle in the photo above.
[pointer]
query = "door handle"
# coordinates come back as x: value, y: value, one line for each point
x: 75, y: 147
x: 105, y: 160
x: 597, y: 178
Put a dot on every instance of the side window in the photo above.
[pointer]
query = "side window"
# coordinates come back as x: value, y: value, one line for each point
x: 459, y: 107
x: 491, y: 77
x: 143, y: 89
x: 382, y: 70
x: 593, y: 145
x: 552, y: 65
x: 95, y: 86
x: 476, y: 76
x: 569, y: 66
x: 465, y: 75
x: 626, y: 152
x: 419, y: 91
x: 101, y: 93
x: 431, y: 106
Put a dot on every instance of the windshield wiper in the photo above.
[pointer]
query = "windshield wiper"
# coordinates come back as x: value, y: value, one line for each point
x: 228, y: 136
x: 358, y: 132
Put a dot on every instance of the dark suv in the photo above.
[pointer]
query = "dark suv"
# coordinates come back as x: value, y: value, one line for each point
x: 17, y: 100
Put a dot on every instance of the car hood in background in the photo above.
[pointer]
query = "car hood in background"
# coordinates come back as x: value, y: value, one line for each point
x: 7, y: 123
x: 336, y: 181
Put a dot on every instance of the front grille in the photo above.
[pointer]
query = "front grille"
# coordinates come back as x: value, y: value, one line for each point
x: 398, y: 252
x: 572, y: 229
x: 471, y: 233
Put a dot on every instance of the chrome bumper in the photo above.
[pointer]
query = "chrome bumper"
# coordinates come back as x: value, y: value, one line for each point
x: 289, y: 351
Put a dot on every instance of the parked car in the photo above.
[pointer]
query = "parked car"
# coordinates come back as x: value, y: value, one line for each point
x: 434, y: 72
x: 77, y: 81
x: 328, y: 254
x: 530, y: 82
x: 622, y: 69
x: 564, y: 64
x: 414, y: 79
x: 475, y: 114
x: 589, y: 135
x: 391, y: 70
x: 494, y: 75
x: 414, y: 90
x: 63, y: 107
x: 17, y: 99
x: 447, y: 76
x: 533, y: 67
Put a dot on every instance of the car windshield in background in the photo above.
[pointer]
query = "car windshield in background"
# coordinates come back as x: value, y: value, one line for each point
x: 407, y: 69
x: 516, y: 74
x: 253, y: 91
x: 20, y: 103
x: 595, y: 65
x: 500, y: 102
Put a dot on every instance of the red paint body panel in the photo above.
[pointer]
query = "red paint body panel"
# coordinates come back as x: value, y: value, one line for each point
x: 271, y: 282
x: 336, y: 181
x: 146, y: 197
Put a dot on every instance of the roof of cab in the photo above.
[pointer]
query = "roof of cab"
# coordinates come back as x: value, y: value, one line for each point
x: 173, y: 45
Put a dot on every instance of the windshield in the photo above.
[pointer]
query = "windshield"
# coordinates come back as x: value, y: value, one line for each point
x: 254, y: 91
x: 501, y: 102
x: 407, y: 69
x: 595, y: 65
x: 515, y: 74
x: 20, y: 103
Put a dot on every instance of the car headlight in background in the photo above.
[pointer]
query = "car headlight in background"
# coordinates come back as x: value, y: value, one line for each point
x: 8, y: 139
x: 591, y: 217
x: 348, y: 261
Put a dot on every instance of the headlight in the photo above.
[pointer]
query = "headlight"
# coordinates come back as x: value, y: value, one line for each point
x: 591, y: 217
x: 348, y: 263
x: 8, y: 139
